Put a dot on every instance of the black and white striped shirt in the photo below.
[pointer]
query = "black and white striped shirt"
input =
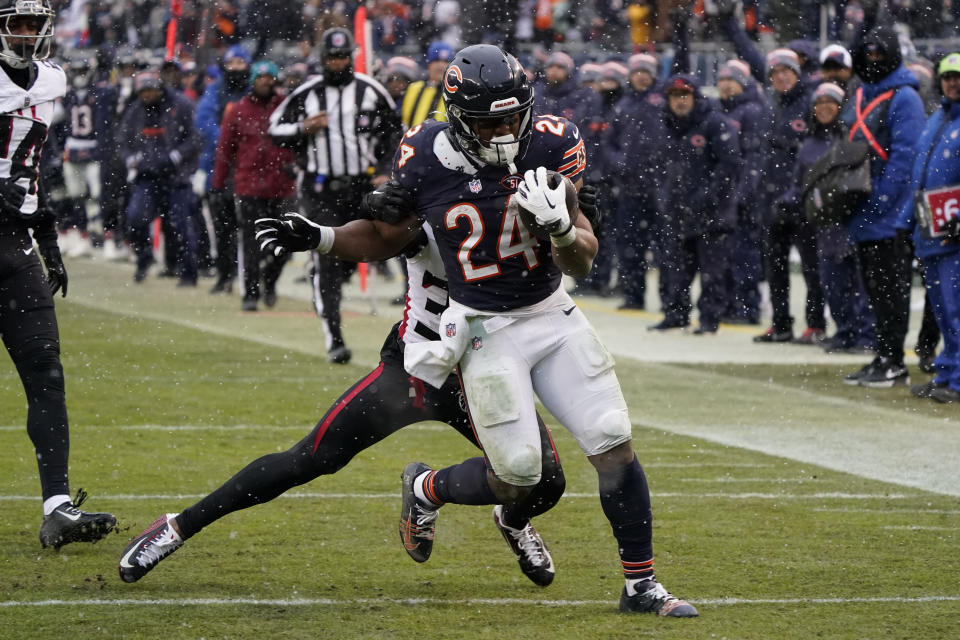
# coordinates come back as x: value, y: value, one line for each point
x: 362, y: 134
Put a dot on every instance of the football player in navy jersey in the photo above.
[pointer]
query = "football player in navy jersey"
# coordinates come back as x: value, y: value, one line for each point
x: 29, y: 85
x: 511, y: 330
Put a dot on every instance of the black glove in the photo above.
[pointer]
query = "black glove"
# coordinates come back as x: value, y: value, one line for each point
x: 289, y: 233
x: 11, y: 196
x: 587, y: 201
x: 390, y: 203
x: 56, y: 272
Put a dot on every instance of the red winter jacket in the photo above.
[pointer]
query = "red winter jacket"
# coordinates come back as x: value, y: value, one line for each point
x: 245, y: 148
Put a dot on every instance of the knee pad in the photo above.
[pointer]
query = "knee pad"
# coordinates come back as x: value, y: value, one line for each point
x: 615, y: 424
x: 522, y: 467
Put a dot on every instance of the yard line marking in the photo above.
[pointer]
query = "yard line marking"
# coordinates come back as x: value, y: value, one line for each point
x: 934, y: 512
x: 305, y: 495
x: 306, y: 602
x: 916, y: 527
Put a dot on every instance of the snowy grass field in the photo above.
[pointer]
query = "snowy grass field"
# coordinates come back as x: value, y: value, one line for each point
x: 786, y: 505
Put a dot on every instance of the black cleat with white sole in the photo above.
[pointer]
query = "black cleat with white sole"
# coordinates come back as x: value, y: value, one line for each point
x: 530, y: 549
x: 67, y: 523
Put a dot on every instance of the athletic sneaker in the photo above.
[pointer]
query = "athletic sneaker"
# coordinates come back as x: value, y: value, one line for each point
x: 945, y: 395
x: 885, y: 374
x: 924, y: 390
x: 853, y: 379
x: 418, y: 519
x: 773, y: 335
x: 530, y: 549
x: 811, y: 336
x: 145, y: 551
x: 656, y: 599
x: 67, y: 524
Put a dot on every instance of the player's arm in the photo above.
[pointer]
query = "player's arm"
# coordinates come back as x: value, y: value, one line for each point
x: 576, y: 259
x: 362, y: 240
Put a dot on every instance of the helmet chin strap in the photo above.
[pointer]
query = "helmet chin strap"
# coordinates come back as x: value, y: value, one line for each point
x: 502, y: 151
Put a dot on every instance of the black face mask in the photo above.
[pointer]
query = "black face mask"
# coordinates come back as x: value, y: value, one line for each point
x: 236, y: 81
x: 337, y: 78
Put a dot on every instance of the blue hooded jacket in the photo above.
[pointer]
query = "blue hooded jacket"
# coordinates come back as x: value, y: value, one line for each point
x: 897, y: 132
x: 937, y: 165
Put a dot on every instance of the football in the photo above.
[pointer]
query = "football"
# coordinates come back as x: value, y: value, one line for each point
x: 530, y: 222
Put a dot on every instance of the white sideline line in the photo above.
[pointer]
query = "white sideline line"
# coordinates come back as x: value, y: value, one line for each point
x: 306, y: 602
x: 829, y: 495
x: 917, y: 527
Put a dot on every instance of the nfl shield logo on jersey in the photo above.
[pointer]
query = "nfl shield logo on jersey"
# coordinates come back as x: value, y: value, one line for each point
x: 477, y: 343
x: 451, y: 330
x: 475, y: 186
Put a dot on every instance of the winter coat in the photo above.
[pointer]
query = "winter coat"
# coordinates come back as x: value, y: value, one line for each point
x: 896, y: 125
x: 748, y: 52
x: 160, y: 141
x: 702, y: 161
x: 634, y: 140
x: 210, y: 110
x: 751, y: 115
x: 245, y: 148
x: 787, y: 131
x: 937, y: 164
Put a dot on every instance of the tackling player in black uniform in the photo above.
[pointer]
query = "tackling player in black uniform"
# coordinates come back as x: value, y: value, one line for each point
x: 28, y: 325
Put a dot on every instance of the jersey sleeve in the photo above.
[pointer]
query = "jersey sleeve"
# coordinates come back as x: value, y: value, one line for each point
x: 412, y: 156
x: 564, y: 144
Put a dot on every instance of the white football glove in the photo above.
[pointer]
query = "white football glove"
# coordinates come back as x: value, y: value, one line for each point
x: 548, y: 205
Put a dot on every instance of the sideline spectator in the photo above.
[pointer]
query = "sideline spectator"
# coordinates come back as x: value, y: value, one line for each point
x: 633, y: 146
x: 742, y: 103
x: 232, y: 86
x: 786, y: 225
x: 935, y: 167
x: 698, y: 205
x: 160, y: 146
x: 887, y: 113
x: 262, y: 185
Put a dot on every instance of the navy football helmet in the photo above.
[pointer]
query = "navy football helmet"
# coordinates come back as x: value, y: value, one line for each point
x: 483, y: 82
x: 20, y: 50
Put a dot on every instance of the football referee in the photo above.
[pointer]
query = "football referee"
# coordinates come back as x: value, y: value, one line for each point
x: 344, y: 127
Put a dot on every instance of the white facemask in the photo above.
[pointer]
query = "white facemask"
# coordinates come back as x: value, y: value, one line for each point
x: 502, y: 150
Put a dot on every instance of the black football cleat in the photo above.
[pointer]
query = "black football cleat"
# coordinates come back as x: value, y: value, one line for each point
x: 418, y: 520
x: 68, y: 524
x: 530, y: 549
x: 656, y: 599
x: 146, y: 551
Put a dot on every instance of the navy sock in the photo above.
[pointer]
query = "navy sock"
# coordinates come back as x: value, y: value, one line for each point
x: 625, y: 499
x: 464, y: 483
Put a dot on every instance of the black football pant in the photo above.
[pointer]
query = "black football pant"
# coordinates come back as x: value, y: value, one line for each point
x: 331, y: 208
x: 379, y: 404
x: 224, y: 214
x: 784, y: 233
x: 28, y: 327
x: 249, y: 211
x: 885, y: 265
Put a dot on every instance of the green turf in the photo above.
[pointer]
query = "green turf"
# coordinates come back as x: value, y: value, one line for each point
x: 729, y: 523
